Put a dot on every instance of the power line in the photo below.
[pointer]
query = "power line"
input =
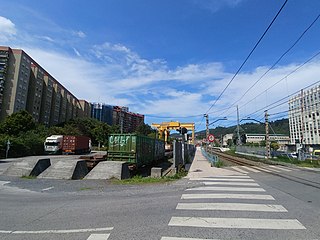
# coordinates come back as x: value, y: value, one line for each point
x: 268, y: 107
x: 276, y: 83
x: 254, y: 48
x: 279, y: 59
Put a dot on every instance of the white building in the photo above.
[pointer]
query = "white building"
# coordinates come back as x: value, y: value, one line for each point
x: 304, y: 119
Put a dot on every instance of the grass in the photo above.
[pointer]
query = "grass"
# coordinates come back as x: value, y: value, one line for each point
x: 85, y: 188
x: 219, y: 164
x: 29, y: 177
x: 149, y: 180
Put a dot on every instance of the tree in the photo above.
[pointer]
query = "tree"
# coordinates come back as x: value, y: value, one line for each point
x: 274, y: 146
x: 144, y: 129
x: 17, y: 123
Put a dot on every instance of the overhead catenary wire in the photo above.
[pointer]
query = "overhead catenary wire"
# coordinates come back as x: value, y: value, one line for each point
x: 268, y: 107
x: 285, y: 77
x: 278, y: 60
x: 251, y: 52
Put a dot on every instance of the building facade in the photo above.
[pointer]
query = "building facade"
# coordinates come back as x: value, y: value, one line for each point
x: 304, y: 117
x: 128, y: 121
x: 25, y: 85
x: 102, y: 112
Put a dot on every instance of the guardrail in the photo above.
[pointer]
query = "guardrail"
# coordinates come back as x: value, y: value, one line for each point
x: 209, y: 154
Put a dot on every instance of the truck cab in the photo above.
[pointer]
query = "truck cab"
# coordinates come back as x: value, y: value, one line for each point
x: 53, y: 144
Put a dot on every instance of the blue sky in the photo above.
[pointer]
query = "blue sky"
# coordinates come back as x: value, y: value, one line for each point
x: 169, y: 59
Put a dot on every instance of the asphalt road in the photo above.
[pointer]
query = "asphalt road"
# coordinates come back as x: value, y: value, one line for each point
x: 95, y: 210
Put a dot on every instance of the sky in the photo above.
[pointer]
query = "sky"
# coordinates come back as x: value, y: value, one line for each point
x: 171, y: 59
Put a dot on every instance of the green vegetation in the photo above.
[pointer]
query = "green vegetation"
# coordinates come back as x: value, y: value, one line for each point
x: 279, y: 126
x: 219, y: 164
x: 27, y: 137
x: 138, y: 179
x: 85, y: 188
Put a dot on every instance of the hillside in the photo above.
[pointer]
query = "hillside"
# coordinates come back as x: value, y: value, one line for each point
x: 279, y: 127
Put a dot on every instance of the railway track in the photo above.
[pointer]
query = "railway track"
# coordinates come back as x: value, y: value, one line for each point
x: 245, y: 162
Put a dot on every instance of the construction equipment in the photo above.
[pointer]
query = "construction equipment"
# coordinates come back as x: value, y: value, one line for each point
x: 165, y: 127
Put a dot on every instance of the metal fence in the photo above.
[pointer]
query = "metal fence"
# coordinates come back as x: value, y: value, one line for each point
x: 182, y: 153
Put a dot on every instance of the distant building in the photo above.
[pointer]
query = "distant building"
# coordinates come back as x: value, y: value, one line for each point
x: 128, y: 121
x: 304, y: 117
x: 102, y: 112
x: 281, y: 139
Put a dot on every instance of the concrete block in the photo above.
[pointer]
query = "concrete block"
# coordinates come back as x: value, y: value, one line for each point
x: 108, y: 170
x: 66, y: 169
x: 28, y: 167
x: 156, y: 172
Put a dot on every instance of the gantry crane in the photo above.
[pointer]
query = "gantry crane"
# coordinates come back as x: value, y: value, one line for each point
x: 165, y: 127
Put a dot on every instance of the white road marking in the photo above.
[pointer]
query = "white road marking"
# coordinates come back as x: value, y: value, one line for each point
x: 281, y: 168
x: 231, y: 207
x: 250, y: 169
x: 271, y: 169
x: 231, y: 183
x: 179, y: 238
x: 235, y: 189
x: 226, y: 176
x: 263, y: 169
x: 2, y: 183
x: 227, y: 196
x: 249, y: 223
x: 47, y: 189
x: 225, y: 179
x: 239, y: 170
x: 60, y: 231
x: 98, y: 237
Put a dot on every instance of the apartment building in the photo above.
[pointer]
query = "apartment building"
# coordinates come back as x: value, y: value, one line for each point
x: 128, y: 121
x: 304, y: 117
x: 25, y: 85
x: 16, y: 66
x: 84, y: 109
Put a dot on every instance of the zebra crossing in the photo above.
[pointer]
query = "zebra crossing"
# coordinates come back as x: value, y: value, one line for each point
x: 99, y: 236
x: 263, y: 168
x: 228, y: 194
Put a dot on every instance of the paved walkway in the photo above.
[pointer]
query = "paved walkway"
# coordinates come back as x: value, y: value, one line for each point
x: 201, y: 167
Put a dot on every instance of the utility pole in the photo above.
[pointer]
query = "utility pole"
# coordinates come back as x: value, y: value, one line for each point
x: 238, y: 127
x: 207, y: 126
x: 268, y: 155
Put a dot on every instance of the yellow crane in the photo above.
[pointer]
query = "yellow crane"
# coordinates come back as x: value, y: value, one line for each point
x: 165, y: 127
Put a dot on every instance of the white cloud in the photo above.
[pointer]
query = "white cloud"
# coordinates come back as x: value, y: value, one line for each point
x: 216, y: 5
x: 76, y: 52
x: 46, y: 38
x: 7, y: 29
x: 79, y: 34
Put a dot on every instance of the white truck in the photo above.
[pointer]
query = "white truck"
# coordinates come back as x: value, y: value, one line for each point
x: 53, y: 144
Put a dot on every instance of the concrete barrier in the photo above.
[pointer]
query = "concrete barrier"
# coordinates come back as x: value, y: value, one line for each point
x: 108, y: 170
x: 66, y: 169
x: 28, y: 167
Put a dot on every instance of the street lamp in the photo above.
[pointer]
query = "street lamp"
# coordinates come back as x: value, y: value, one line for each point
x: 225, y: 118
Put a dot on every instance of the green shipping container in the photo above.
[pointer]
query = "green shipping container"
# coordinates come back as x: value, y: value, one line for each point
x: 135, y: 149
